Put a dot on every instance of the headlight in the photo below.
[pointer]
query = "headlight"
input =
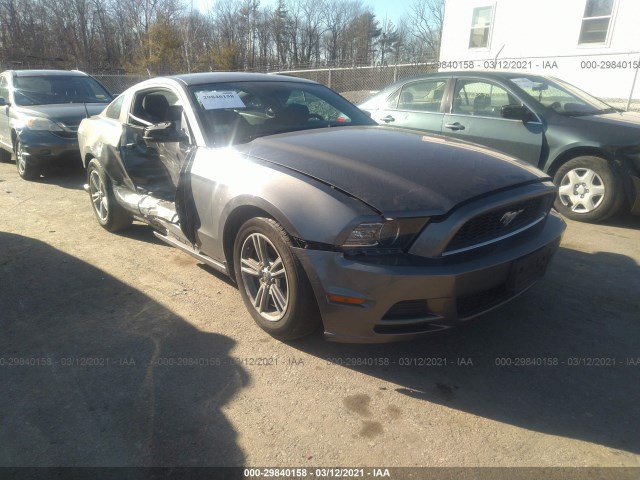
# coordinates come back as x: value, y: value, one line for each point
x: 39, y: 123
x: 386, y: 236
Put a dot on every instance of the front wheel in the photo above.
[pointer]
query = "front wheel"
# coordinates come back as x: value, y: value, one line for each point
x: 26, y: 169
x: 589, y: 189
x: 108, y: 212
x: 273, y: 285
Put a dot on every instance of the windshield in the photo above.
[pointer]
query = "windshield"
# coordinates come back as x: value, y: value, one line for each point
x: 238, y: 112
x: 561, y: 97
x: 56, y: 89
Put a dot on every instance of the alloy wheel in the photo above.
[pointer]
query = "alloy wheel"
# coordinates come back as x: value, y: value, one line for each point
x: 98, y: 196
x: 21, y: 159
x: 264, y: 277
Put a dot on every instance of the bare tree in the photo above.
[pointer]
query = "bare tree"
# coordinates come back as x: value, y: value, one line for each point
x: 153, y: 36
x: 311, y: 30
x: 426, y: 19
x: 339, y: 15
x: 388, y: 42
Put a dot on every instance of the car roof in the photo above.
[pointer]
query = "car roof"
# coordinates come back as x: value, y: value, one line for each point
x: 37, y: 73
x: 215, y: 77
x: 490, y: 74
x: 498, y: 74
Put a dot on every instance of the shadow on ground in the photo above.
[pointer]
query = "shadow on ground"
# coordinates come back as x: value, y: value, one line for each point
x: 582, y: 316
x: 143, y: 233
x: 66, y: 175
x: 624, y: 220
x: 95, y: 373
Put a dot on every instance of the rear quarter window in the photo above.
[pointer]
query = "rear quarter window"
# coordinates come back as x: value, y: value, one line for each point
x: 113, y: 110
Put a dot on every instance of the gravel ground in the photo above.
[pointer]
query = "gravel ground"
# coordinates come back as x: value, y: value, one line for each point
x: 117, y: 350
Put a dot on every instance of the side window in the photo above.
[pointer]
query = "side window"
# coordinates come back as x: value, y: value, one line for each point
x: 392, y: 101
x: 113, y: 110
x: 481, y: 27
x: 155, y: 106
x: 424, y: 96
x: 298, y: 100
x: 478, y: 97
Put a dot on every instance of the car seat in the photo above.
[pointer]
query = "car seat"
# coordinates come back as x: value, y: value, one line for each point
x: 482, y: 104
x: 155, y: 107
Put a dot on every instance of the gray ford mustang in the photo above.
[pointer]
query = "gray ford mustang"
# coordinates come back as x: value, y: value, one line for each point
x: 321, y: 217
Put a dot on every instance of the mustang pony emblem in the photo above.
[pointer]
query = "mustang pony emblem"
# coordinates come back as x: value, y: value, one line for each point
x: 508, y: 217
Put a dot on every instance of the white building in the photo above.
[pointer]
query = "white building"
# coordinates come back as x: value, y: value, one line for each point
x: 593, y: 44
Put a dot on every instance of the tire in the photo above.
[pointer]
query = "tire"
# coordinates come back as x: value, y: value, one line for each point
x: 589, y: 189
x: 26, y: 169
x: 266, y: 269
x: 109, y: 213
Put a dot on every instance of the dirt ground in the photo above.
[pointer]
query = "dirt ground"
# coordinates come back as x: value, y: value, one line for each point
x: 118, y: 350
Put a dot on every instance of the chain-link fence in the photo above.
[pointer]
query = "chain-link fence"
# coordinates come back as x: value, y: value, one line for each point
x: 360, y: 82
x: 355, y: 83
x: 357, y: 80
x: 119, y: 83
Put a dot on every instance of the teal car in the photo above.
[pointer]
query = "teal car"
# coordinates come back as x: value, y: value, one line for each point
x: 590, y: 149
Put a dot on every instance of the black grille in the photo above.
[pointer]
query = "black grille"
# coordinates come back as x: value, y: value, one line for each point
x: 491, y: 225
x: 66, y: 134
x: 407, y: 309
x: 421, y: 327
x: 481, y: 301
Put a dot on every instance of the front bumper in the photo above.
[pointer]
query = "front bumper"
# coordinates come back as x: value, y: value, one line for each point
x: 43, y: 147
x: 407, y: 300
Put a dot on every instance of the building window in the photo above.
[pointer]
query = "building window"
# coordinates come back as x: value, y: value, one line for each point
x: 596, y: 21
x: 480, y: 27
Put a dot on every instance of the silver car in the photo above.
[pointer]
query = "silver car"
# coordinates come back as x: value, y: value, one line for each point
x: 321, y: 217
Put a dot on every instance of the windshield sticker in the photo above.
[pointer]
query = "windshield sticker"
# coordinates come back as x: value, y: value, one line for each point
x: 217, y: 100
x: 525, y: 83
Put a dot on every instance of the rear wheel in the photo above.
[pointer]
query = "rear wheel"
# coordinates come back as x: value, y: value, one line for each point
x: 589, y: 189
x: 26, y: 169
x: 108, y: 212
x: 273, y: 284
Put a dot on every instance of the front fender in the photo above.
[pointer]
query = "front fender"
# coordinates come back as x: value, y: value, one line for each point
x: 224, y: 181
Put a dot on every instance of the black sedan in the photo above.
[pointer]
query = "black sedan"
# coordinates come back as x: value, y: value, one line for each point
x: 320, y: 216
x: 40, y: 111
x: 591, y: 150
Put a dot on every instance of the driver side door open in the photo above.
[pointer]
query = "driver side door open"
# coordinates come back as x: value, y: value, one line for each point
x: 155, y: 147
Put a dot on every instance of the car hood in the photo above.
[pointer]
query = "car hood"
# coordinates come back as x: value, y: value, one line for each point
x: 397, y: 172
x: 616, y: 119
x: 627, y: 119
x: 69, y: 114
x: 610, y: 131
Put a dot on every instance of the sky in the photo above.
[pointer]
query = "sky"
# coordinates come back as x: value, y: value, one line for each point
x: 391, y: 9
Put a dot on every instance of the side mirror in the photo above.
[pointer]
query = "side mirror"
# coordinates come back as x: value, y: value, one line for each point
x: 164, y: 132
x: 515, y: 112
x: 3, y: 102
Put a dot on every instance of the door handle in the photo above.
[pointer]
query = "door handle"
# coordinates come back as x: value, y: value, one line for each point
x: 388, y: 119
x: 454, y: 126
